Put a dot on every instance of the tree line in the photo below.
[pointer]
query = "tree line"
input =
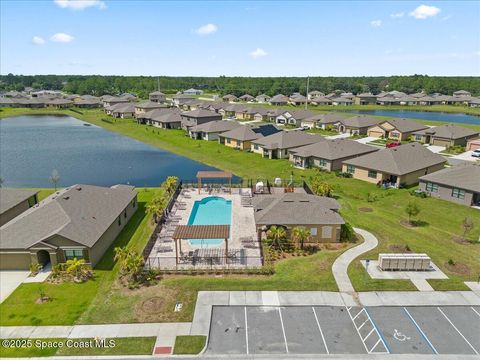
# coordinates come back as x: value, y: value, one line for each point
x: 142, y: 85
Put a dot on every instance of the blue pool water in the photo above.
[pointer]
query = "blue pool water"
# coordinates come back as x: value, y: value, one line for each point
x: 212, y: 210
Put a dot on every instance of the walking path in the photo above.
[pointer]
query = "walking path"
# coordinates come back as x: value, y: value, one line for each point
x: 340, y: 266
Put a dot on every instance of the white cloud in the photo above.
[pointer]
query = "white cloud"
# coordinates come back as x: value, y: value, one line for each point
x: 397, y: 15
x: 62, y: 38
x: 37, y: 40
x: 424, y: 11
x: 80, y: 4
x: 207, y: 29
x: 258, y: 53
x: 376, y: 23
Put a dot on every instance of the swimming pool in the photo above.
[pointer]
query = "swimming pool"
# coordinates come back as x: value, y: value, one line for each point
x: 212, y: 210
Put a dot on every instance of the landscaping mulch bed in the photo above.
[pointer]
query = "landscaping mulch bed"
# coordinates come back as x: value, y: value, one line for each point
x: 365, y: 209
x: 460, y: 240
x: 153, y: 305
x: 458, y: 268
x: 408, y: 224
x: 398, y: 248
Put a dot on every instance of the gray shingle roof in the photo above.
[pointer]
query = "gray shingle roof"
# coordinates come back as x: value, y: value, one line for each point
x: 280, y: 98
x: 449, y: 131
x: 215, y: 126
x: 399, y: 160
x: 12, y: 197
x: 242, y: 133
x: 295, y: 209
x: 463, y: 176
x: 334, y: 149
x: 199, y: 113
x: 288, y: 140
x: 360, y: 121
x: 150, y: 105
x: 405, y: 125
x: 80, y: 213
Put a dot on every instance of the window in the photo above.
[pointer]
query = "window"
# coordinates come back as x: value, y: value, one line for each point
x: 119, y: 220
x: 431, y: 187
x: 125, y: 213
x: 326, y: 232
x: 73, y: 253
x: 134, y: 202
x: 322, y: 162
x: 372, y: 174
x: 418, y: 137
x: 394, y: 134
x: 350, y: 169
x: 313, y: 231
x: 255, y: 146
x: 458, y: 193
x: 239, y: 143
x: 228, y: 141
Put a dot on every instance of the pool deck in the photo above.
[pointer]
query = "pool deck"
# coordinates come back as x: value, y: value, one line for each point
x: 242, y: 226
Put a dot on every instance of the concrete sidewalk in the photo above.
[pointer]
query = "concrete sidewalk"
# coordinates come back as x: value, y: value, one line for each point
x: 340, y: 266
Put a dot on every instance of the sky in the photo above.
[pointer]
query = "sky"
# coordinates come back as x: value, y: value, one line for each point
x: 242, y: 38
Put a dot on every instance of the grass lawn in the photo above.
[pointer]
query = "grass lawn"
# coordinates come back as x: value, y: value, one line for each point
x: 189, y: 345
x: 71, y: 347
x: 363, y: 205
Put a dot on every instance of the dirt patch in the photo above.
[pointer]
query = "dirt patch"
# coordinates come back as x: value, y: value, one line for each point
x: 408, y: 224
x: 458, y: 268
x: 365, y: 209
x: 153, y: 305
x: 460, y: 240
x: 399, y: 248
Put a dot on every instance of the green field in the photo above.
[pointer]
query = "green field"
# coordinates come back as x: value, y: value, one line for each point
x: 107, y: 301
x: 189, y: 345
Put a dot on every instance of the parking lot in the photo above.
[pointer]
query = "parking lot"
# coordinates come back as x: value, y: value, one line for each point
x: 344, y: 330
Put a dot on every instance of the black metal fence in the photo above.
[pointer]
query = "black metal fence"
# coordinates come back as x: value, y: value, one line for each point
x: 161, y: 221
x: 204, y: 263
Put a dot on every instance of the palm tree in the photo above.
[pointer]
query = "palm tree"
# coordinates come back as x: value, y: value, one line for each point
x: 55, y: 178
x: 300, y: 235
x: 277, y: 235
x: 154, y: 210
x: 134, y: 264
x: 76, y: 267
x: 121, y: 254
x: 170, y: 184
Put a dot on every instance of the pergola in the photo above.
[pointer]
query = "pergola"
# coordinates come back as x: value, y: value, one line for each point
x: 213, y: 175
x: 187, y: 232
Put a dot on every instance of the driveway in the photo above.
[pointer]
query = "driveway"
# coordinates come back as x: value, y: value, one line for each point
x: 367, y: 140
x: 10, y: 280
x: 339, y: 136
x: 435, y: 148
x: 466, y: 156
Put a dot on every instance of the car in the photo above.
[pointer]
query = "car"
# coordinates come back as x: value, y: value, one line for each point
x: 393, y: 144
x: 476, y: 153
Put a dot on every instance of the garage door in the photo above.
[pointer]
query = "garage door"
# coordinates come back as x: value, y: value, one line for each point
x: 377, y: 134
x: 473, y: 146
x: 439, y: 142
x: 14, y: 261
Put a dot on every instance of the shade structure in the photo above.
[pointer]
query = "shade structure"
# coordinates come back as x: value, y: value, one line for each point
x: 214, y: 175
x: 185, y: 232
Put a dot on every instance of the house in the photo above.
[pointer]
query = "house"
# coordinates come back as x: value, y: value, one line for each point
x: 197, y: 117
x: 260, y: 114
x: 14, y: 202
x: 212, y: 129
x: 180, y: 99
x: 298, y: 100
x: 397, y: 167
x: 59, y: 103
x: 321, y: 100
x: 395, y: 129
x: 290, y: 210
x: 229, y: 98
x: 81, y: 221
x: 365, y: 99
x: 88, y: 104
x: 329, y: 154
x: 388, y: 101
x: 262, y: 98
x: 459, y: 184
x: 445, y: 135
x: 273, y: 113
x: 462, y: 93
x: 143, y: 107
x: 473, y: 144
x: 342, y: 101
x: 357, y: 125
x: 241, y: 137
x: 322, y: 121
x: 231, y: 111
x: 474, y: 102
x: 128, y: 97
x: 166, y: 119
x: 247, y: 97
x: 279, y: 100
x: 315, y: 94
x: 293, y: 117
x: 113, y: 100
x: 157, y: 96
x: 122, y: 110
x: 277, y: 146
x: 192, y: 91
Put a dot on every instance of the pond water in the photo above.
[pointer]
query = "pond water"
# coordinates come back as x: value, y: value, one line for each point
x: 423, y: 115
x: 32, y: 146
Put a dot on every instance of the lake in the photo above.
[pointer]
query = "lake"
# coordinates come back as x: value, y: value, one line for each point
x: 423, y: 115
x: 32, y: 146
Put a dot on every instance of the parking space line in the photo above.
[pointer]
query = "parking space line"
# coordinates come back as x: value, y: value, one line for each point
x: 458, y: 331
x: 366, y: 337
x: 421, y: 331
x: 358, y: 314
x: 380, y: 335
x: 475, y: 311
x: 283, y: 329
x: 321, y: 332
x: 246, y: 328
x: 358, y: 332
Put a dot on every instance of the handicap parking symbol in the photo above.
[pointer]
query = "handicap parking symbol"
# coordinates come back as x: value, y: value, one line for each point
x: 400, y: 336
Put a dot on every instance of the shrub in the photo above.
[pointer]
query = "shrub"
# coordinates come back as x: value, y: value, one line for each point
x: 372, y: 197
x: 346, y: 233
x: 35, y: 268
x: 451, y: 262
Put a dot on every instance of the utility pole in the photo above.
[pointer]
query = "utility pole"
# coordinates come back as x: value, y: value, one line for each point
x: 306, y: 97
x: 158, y: 83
